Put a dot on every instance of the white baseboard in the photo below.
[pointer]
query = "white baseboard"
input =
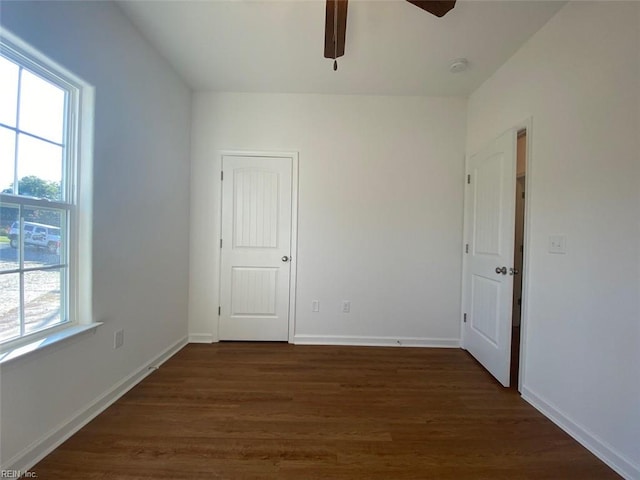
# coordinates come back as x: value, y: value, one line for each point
x: 376, y: 341
x: 591, y: 442
x: 32, y: 454
x: 201, y: 338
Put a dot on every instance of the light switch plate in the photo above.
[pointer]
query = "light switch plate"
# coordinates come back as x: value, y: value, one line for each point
x: 557, y: 244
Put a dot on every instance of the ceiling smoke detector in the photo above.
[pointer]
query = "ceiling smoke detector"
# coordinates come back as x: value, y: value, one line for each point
x: 459, y: 65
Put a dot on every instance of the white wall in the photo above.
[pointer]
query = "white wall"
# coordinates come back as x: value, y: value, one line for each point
x: 578, y: 78
x: 380, y: 210
x: 141, y: 220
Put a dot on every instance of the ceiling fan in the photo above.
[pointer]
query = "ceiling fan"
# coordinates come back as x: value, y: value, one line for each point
x: 335, y: 27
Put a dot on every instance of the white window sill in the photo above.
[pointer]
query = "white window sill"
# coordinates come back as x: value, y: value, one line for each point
x: 45, y: 342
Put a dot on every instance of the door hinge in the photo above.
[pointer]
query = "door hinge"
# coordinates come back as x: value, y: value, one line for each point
x: 464, y: 318
x: 219, y: 310
x: 220, y: 243
x: 221, y: 175
x: 466, y: 248
x: 469, y: 179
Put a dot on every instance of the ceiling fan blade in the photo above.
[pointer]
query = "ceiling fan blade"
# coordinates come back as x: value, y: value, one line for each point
x: 335, y: 28
x: 439, y: 8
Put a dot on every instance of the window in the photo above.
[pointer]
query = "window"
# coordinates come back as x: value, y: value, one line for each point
x: 40, y: 198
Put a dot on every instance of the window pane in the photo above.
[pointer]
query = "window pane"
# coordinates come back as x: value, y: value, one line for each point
x: 7, y: 158
x: 9, y: 306
x: 9, y: 236
x: 41, y: 107
x: 44, y: 237
x: 8, y: 91
x: 37, y: 104
x: 41, y: 162
x: 42, y: 306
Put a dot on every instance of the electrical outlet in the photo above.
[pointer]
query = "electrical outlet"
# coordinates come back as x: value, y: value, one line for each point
x: 315, y: 306
x: 346, y: 306
x: 118, y: 338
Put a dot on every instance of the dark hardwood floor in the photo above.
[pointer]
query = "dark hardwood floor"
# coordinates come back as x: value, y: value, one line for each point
x: 277, y: 411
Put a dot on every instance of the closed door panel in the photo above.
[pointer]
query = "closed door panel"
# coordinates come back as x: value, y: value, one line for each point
x: 254, y: 291
x: 256, y: 248
x: 490, y: 217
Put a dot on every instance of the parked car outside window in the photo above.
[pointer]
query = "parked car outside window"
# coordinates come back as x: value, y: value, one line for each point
x: 37, y: 235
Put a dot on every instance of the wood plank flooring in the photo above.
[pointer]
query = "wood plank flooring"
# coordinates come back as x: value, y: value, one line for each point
x: 278, y: 411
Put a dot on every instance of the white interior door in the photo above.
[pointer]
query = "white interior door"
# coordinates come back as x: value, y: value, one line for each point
x: 488, y: 278
x: 255, y: 263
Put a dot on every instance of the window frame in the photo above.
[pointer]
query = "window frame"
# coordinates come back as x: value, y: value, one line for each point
x: 76, y: 195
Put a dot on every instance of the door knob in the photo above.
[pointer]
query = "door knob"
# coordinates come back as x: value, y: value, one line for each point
x: 285, y: 259
x: 501, y: 270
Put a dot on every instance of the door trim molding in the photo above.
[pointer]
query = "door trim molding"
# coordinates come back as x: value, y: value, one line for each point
x: 294, y: 156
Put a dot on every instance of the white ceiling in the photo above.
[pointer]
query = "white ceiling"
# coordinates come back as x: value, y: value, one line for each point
x: 392, y: 47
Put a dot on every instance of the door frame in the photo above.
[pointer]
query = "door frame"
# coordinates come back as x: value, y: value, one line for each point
x: 527, y: 125
x: 294, y: 227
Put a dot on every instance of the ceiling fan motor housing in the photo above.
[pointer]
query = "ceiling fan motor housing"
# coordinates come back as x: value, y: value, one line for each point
x: 335, y: 27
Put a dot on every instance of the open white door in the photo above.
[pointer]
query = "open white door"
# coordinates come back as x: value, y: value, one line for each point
x: 255, y: 262
x: 488, y: 273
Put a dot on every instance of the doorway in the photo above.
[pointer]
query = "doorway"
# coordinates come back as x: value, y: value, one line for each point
x: 494, y: 250
x: 518, y: 255
x: 257, y: 247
